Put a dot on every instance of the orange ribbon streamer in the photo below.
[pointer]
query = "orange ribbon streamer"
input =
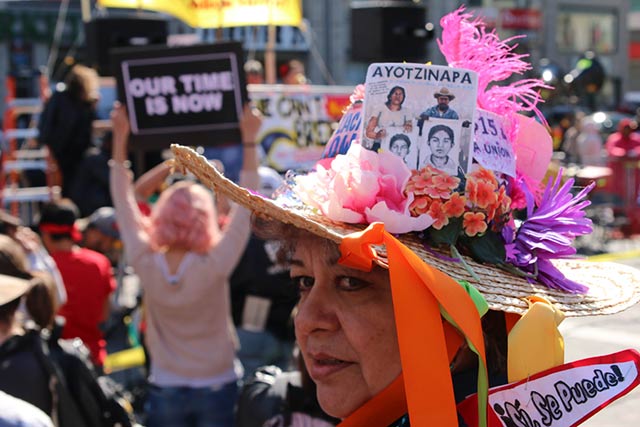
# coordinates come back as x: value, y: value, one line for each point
x: 419, y: 292
x: 382, y: 409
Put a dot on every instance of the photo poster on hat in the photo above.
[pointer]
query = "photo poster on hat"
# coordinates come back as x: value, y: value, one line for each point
x: 192, y: 95
x: 402, y: 143
x: 418, y: 97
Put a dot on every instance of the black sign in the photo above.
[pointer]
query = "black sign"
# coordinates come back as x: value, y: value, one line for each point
x: 191, y: 95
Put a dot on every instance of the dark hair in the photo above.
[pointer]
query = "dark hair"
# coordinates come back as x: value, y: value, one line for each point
x: 393, y: 89
x: 8, y: 311
x: 438, y: 128
x: 400, y: 136
x: 64, y: 212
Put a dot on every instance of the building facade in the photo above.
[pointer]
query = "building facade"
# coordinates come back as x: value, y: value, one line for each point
x: 558, y: 30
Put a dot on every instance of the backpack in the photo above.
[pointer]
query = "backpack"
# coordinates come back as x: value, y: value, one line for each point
x: 29, y: 374
x: 57, y: 375
x: 97, y: 400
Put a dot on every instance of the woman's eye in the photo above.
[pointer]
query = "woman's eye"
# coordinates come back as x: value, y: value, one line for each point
x: 302, y: 282
x: 347, y: 283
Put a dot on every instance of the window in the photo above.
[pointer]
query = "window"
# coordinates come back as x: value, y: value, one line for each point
x: 579, y: 31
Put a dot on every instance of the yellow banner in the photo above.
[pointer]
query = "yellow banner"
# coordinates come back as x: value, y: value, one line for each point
x: 220, y: 13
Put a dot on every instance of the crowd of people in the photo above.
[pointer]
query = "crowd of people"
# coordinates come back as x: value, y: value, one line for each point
x: 610, y: 159
x: 216, y: 301
x: 263, y: 314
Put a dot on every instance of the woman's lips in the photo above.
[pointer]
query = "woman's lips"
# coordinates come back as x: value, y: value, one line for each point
x: 322, y: 365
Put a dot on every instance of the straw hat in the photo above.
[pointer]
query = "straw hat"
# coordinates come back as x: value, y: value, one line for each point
x: 612, y: 287
x: 12, y: 288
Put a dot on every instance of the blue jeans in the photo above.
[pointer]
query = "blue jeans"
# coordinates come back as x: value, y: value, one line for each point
x: 191, y: 407
x: 263, y: 348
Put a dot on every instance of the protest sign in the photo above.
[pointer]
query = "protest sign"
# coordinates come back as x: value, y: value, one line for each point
x: 491, y: 147
x: 298, y: 122
x: 564, y: 396
x: 349, y: 129
x: 433, y: 106
x: 192, y: 95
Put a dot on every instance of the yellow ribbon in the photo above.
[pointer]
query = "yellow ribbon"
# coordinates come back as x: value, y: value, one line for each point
x: 535, y: 343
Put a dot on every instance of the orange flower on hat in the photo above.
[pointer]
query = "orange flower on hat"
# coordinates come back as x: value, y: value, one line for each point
x: 436, y: 211
x: 482, y: 193
x: 455, y: 206
x: 485, y: 175
x: 420, y: 205
x: 474, y: 223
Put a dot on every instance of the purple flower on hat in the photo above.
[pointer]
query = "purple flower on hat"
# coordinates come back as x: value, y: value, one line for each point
x: 548, y: 233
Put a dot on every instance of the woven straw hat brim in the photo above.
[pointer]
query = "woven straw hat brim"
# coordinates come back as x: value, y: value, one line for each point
x: 12, y: 288
x: 612, y: 287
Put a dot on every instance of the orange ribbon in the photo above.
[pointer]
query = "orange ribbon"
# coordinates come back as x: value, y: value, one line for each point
x: 419, y: 294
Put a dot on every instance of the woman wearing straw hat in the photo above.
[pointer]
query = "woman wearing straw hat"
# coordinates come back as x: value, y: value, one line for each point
x: 387, y: 324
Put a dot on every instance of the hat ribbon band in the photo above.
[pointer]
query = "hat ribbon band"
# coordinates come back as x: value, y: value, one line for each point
x: 422, y: 296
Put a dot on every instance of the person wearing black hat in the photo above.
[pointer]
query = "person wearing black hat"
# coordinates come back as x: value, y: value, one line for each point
x: 87, y: 277
x: 442, y: 110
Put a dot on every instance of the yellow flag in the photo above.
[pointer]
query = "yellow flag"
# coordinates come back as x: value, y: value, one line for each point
x: 220, y: 13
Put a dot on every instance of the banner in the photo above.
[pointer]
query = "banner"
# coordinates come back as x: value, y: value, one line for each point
x: 348, y: 130
x: 220, y: 13
x: 298, y: 122
x: 491, y: 147
x: 192, y: 95
x: 564, y: 396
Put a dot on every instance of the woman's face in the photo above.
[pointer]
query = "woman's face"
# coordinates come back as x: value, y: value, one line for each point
x: 397, y: 97
x: 440, y: 143
x: 345, y: 327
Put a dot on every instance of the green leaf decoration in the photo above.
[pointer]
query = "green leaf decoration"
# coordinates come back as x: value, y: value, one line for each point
x: 447, y: 235
x: 487, y: 248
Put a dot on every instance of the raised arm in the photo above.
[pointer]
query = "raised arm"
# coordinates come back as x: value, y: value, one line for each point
x: 150, y: 181
x: 249, y: 127
x: 128, y: 215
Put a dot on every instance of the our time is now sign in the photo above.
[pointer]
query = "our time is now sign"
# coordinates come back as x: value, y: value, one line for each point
x: 183, y: 94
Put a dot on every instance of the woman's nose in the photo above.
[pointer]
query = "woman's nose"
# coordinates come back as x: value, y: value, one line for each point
x: 316, y: 311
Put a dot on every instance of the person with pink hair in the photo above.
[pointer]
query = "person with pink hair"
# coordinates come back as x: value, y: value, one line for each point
x: 184, y: 261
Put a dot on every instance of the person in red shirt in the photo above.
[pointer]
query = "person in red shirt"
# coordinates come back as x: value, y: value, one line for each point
x: 87, y: 277
x: 623, y: 150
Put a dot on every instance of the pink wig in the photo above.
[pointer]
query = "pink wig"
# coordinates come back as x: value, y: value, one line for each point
x: 185, y: 217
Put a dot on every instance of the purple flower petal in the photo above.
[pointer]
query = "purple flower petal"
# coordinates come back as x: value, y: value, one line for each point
x: 549, y: 231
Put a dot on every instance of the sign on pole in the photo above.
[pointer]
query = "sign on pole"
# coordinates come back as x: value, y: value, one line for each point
x: 192, y: 95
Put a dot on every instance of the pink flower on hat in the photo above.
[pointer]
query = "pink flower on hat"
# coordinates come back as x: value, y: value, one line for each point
x: 358, y: 94
x: 362, y: 186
